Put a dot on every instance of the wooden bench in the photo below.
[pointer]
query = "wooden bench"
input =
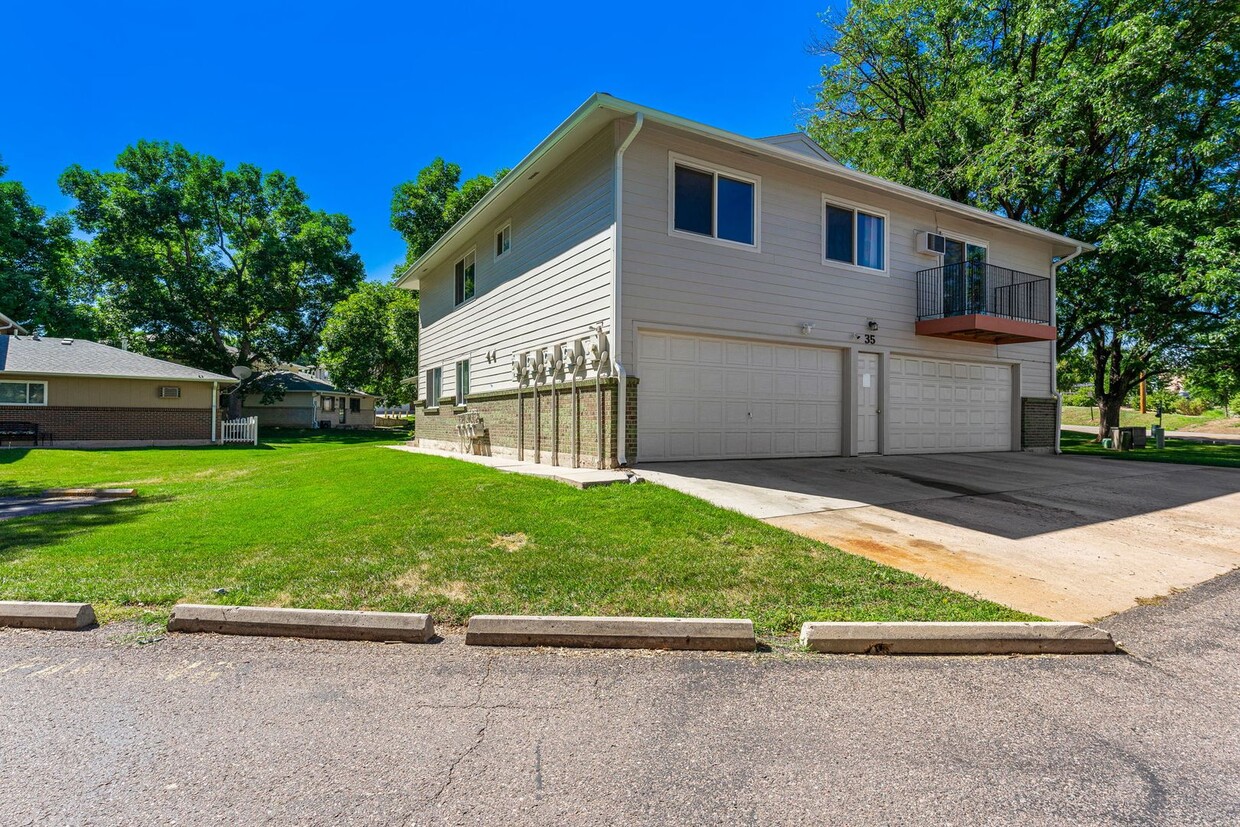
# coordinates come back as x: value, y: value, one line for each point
x: 10, y: 431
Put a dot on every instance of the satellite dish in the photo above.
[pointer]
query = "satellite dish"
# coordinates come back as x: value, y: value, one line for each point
x: 242, y: 372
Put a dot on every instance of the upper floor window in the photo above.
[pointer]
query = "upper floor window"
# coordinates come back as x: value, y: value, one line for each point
x: 503, y: 240
x: 465, y: 278
x: 23, y: 393
x: 434, y: 380
x: 714, y: 202
x: 854, y: 235
x: 462, y: 382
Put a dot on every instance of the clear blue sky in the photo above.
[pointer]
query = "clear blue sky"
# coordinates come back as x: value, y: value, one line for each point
x: 353, y: 98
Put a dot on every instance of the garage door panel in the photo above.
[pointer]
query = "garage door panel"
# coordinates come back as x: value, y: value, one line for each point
x: 724, y: 398
x: 947, y: 405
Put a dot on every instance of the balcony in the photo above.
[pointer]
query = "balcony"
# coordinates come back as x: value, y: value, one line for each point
x: 979, y: 302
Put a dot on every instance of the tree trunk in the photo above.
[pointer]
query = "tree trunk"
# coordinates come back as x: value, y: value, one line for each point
x: 234, y: 405
x: 1108, y: 414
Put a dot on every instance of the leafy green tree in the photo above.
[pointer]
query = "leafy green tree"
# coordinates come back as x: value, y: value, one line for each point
x: 40, y: 285
x: 370, y: 342
x: 210, y: 266
x: 1109, y: 120
x: 426, y: 207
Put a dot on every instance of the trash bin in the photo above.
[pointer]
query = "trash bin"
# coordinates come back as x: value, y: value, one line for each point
x: 1121, y: 439
x: 1106, y: 442
x: 1160, y: 437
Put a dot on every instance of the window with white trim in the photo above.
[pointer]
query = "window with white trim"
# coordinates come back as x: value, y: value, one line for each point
x: 464, y: 278
x: 462, y: 382
x: 434, y: 380
x: 23, y: 393
x: 854, y: 235
x: 503, y: 240
x: 714, y: 202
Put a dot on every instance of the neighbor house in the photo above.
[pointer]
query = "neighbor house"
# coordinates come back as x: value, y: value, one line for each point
x: 301, y: 397
x: 72, y: 392
x: 643, y: 288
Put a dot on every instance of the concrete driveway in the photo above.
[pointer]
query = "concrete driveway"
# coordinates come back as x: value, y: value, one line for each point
x: 1069, y: 538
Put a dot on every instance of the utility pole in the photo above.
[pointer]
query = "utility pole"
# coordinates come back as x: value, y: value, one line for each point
x: 1142, y: 394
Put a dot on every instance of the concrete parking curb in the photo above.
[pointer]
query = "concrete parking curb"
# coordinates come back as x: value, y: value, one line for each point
x: 312, y: 623
x: 36, y: 615
x: 703, y: 634
x: 107, y: 493
x: 956, y: 639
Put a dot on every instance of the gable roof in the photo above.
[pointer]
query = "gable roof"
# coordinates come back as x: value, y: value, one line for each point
x: 601, y: 109
x: 294, y: 382
x: 79, y: 357
x: 800, y: 142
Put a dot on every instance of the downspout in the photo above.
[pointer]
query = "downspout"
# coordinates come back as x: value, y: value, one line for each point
x: 215, y: 407
x: 1055, y: 265
x: 617, y: 235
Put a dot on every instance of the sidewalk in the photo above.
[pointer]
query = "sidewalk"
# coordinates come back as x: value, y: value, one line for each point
x: 1192, y: 436
x: 577, y: 477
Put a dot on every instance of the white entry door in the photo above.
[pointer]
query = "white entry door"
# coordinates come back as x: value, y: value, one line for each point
x: 941, y: 406
x: 867, y: 403
x: 701, y: 397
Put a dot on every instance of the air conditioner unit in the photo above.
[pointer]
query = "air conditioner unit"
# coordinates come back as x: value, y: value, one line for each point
x: 931, y: 244
x: 169, y: 392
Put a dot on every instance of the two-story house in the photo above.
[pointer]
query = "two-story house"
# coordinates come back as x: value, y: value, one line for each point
x: 734, y: 298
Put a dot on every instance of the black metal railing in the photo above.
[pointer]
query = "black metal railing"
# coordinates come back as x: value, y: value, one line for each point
x: 976, y: 288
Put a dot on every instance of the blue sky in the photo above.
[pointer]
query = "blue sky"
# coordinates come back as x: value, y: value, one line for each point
x: 354, y: 98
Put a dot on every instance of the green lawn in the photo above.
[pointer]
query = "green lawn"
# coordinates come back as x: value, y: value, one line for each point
x: 331, y: 520
x: 1128, y: 417
x: 1177, y: 450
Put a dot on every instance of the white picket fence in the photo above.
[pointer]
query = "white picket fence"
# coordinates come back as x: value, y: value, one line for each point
x: 240, y: 430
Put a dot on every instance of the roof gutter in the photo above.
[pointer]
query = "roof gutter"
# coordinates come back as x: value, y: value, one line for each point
x: 617, y: 236
x: 518, y: 173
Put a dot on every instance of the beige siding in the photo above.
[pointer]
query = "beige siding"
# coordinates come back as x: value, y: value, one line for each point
x: 92, y: 392
x: 675, y: 282
x: 551, y: 286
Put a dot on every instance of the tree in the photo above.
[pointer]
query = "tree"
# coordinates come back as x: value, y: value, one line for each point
x: 1113, y: 120
x: 40, y: 285
x: 210, y: 266
x: 426, y: 207
x: 370, y: 342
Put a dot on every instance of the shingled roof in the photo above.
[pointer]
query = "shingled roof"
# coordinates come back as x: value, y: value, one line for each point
x: 79, y: 357
x: 290, y: 381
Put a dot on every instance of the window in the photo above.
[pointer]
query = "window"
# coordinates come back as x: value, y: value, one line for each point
x: 462, y: 382
x: 23, y: 393
x: 329, y: 403
x: 503, y: 240
x: 714, y: 203
x: 465, y: 278
x: 355, y: 405
x: 434, y: 377
x: 854, y: 235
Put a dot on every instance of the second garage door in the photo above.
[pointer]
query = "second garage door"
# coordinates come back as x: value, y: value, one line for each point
x: 939, y: 406
x: 709, y: 398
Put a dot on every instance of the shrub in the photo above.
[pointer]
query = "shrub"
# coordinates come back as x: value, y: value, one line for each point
x: 1080, y: 398
x: 1192, y: 407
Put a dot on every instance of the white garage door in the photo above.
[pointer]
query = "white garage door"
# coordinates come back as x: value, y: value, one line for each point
x: 707, y: 398
x: 938, y: 406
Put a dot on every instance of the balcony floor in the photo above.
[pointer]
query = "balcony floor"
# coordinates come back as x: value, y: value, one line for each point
x: 990, y: 329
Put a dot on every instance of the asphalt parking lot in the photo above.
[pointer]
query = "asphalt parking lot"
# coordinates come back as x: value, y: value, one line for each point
x: 98, y: 727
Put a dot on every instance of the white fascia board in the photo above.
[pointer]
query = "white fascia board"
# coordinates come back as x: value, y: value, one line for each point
x: 409, y: 279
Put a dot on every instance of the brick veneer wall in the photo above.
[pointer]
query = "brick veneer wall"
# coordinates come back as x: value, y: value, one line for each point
x: 1037, y: 423
x: 505, y: 415
x: 138, y: 424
